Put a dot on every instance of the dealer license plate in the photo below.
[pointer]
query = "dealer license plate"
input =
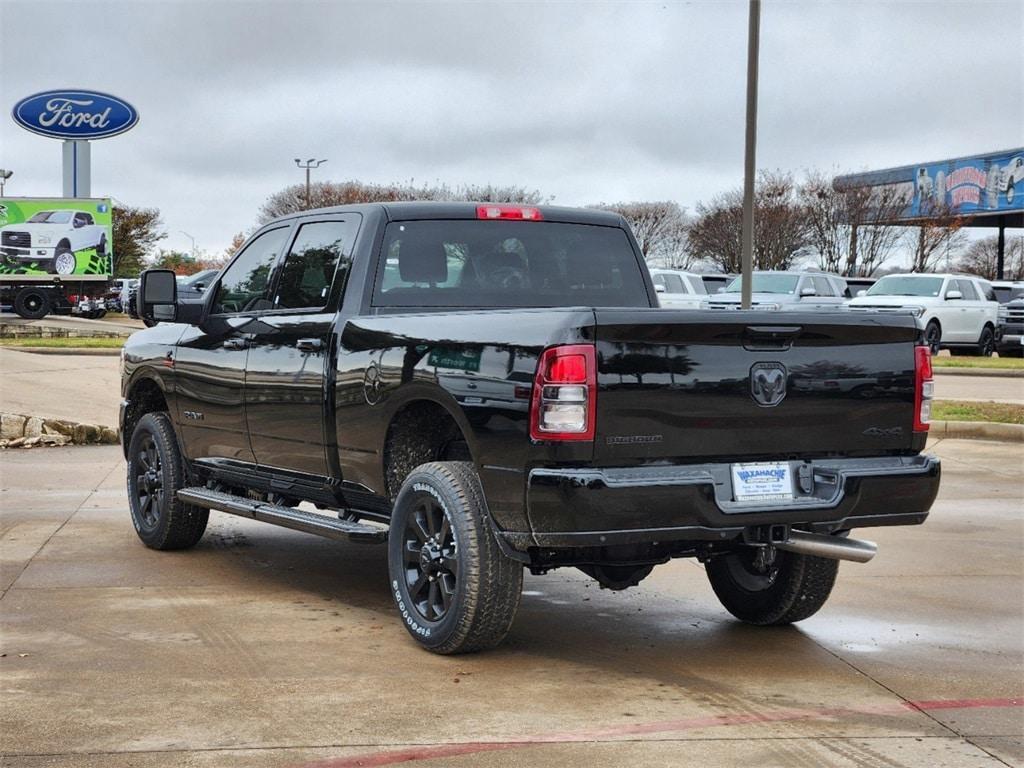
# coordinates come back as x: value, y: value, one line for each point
x: 768, y: 481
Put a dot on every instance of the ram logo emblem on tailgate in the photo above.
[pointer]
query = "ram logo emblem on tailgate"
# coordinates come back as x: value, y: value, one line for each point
x: 768, y: 383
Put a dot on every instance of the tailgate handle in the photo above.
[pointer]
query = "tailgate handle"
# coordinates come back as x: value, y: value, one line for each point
x: 775, y: 337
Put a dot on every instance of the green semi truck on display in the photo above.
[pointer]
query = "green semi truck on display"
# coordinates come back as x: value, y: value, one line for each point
x: 55, y: 255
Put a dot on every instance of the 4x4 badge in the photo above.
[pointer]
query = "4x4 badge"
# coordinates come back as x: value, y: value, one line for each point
x: 768, y: 383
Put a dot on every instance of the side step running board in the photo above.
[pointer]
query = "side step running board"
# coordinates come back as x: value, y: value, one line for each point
x: 286, y: 517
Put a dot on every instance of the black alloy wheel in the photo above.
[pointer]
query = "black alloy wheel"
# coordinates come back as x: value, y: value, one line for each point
x: 155, y: 475
x: 454, y: 588
x: 431, y: 559
x: 149, y: 483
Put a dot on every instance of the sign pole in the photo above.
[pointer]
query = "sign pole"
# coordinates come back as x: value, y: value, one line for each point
x: 77, y: 168
x: 749, y: 162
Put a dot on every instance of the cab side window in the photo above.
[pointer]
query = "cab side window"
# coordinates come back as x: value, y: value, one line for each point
x: 966, y: 287
x: 245, y: 286
x: 822, y: 287
x: 674, y: 284
x: 320, y: 255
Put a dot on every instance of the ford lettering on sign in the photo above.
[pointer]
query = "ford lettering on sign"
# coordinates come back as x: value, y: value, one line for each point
x: 75, y: 114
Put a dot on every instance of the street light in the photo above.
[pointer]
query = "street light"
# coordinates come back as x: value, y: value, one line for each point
x: 186, y: 234
x: 4, y: 176
x: 311, y: 163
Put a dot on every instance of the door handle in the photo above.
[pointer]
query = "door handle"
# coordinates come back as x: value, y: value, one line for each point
x: 236, y: 344
x: 309, y: 345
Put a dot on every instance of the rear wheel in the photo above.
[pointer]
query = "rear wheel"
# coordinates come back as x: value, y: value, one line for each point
x: 455, y: 589
x: 769, y: 587
x: 155, y: 474
x: 32, y: 303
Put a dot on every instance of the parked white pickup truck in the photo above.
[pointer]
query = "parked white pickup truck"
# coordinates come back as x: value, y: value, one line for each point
x: 957, y: 312
x: 678, y: 289
x: 51, y: 239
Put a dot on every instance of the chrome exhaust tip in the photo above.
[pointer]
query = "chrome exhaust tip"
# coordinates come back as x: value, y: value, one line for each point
x: 833, y: 547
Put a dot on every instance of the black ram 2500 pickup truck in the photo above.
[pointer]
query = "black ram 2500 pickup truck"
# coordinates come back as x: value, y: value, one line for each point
x: 489, y: 387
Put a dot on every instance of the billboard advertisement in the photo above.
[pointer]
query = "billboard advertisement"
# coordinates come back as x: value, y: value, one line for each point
x: 989, y: 184
x: 55, y: 236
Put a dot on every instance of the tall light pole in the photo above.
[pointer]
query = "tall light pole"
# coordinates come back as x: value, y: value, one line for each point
x: 749, y: 163
x: 311, y: 163
x: 186, y: 234
x: 4, y: 176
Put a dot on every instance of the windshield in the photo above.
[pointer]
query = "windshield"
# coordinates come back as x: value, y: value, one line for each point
x: 494, y: 264
x: 906, y: 285
x: 766, y: 282
x: 51, y: 217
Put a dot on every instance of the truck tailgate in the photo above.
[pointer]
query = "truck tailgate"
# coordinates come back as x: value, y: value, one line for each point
x: 682, y: 386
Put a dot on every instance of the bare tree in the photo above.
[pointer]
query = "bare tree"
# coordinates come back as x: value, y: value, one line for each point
x: 660, y: 231
x: 982, y: 259
x: 325, y: 194
x: 780, y: 226
x: 938, y: 236
x: 853, y: 230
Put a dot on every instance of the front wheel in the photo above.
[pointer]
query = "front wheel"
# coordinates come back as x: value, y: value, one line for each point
x: 155, y: 474
x: 64, y: 262
x: 987, y: 342
x: 455, y: 590
x: 933, y: 336
x: 769, y: 587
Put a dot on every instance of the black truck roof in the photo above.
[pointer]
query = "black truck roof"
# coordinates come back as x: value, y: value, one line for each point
x: 423, y: 209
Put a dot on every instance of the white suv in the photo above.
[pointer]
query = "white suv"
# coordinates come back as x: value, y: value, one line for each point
x: 955, y: 311
x: 679, y: 290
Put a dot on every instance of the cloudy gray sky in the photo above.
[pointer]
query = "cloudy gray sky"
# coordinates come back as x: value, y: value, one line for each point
x: 587, y: 102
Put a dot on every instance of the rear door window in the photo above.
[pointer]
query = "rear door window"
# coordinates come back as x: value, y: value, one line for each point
x: 494, y: 264
x: 320, y: 255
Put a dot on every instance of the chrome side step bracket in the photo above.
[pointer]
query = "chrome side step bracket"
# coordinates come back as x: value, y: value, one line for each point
x: 286, y: 517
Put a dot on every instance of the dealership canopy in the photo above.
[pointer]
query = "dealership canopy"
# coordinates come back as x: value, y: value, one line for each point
x: 981, y: 191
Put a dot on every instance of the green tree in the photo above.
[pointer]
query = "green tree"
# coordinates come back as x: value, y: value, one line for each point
x: 180, y: 263
x: 136, y: 231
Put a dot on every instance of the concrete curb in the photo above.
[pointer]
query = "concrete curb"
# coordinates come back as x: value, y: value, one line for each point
x: 977, y: 430
x: 99, y: 351
x: 19, y: 431
x: 999, y: 373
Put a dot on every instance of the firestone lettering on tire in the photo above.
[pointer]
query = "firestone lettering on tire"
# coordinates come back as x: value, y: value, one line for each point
x: 413, y: 625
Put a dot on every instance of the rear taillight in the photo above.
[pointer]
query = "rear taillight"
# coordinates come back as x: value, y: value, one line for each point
x: 924, y: 388
x: 564, y: 401
x: 517, y: 212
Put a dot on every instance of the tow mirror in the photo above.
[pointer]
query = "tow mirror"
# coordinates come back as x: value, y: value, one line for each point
x: 954, y: 295
x: 808, y: 291
x: 158, y: 291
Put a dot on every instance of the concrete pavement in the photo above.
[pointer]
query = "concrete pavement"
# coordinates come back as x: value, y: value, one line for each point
x: 80, y: 388
x: 980, y: 388
x: 265, y: 647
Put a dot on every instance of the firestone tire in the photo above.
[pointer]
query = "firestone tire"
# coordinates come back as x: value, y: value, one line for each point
x: 455, y: 590
x: 792, y: 588
x: 155, y: 474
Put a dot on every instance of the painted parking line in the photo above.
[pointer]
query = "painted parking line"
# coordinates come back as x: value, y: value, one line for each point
x: 433, y: 752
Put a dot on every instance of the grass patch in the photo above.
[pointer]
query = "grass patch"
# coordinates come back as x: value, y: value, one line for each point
x: 1006, y: 363
x: 64, y: 342
x: 963, y: 410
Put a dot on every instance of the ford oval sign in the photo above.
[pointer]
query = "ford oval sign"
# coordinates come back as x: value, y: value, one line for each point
x: 79, y: 115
